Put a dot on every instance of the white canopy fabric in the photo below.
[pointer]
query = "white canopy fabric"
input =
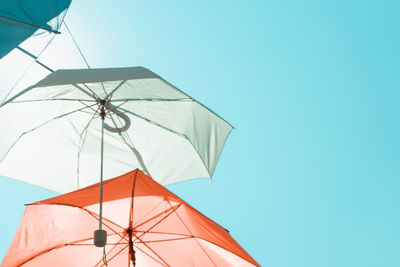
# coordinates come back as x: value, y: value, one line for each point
x: 51, y: 132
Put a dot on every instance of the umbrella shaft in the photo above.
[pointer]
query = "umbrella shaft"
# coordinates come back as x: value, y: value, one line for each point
x: 101, y: 174
x: 131, y: 249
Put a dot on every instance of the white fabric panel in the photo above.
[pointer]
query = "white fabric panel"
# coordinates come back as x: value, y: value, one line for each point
x: 10, y: 72
x: 205, y: 131
x: 150, y: 88
x: 118, y: 159
x: 169, y: 158
x: 45, y: 156
x: 43, y: 159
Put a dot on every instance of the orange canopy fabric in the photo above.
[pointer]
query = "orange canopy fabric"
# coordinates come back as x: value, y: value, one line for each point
x: 146, y: 225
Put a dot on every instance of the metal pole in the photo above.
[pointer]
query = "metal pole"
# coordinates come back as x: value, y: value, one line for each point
x: 100, y: 236
x: 102, y: 114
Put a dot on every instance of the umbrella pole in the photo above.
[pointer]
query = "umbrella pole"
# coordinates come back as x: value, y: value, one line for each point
x: 101, y: 173
x: 100, y: 236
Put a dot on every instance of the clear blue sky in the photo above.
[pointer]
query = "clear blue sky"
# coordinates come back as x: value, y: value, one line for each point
x: 311, y: 176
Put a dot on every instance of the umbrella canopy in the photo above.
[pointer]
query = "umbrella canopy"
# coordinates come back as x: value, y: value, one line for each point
x: 147, y: 225
x: 26, y: 29
x: 54, y: 129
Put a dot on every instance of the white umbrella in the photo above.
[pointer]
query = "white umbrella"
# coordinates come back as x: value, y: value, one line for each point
x: 52, y: 131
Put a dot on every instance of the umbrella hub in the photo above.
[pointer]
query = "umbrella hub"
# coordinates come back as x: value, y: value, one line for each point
x: 102, y: 113
x: 103, y: 108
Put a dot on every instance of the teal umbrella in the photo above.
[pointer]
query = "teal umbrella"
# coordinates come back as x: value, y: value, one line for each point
x: 23, y: 19
x: 26, y: 28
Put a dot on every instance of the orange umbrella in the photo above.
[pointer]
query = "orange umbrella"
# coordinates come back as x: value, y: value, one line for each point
x: 147, y: 225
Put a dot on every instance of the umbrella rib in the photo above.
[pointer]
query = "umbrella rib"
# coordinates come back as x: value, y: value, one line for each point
x: 94, y: 95
x: 36, y: 57
x: 87, y: 239
x: 187, y: 237
x: 154, y: 217
x: 196, y: 237
x: 26, y: 69
x: 115, y: 110
x: 91, y: 245
x: 108, y: 253
x: 54, y: 99
x: 83, y: 103
x: 58, y: 247
x: 153, y: 258
x: 113, y: 100
x: 166, y: 216
x: 38, y: 126
x: 109, y: 95
x: 170, y: 130
x: 152, y: 250
x: 180, y: 91
x: 131, y: 142
x: 76, y: 45
x: 94, y: 215
x: 131, y: 147
x: 102, y: 85
x: 116, y: 254
x: 149, y: 212
x: 42, y: 252
x: 165, y: 240
x: 89, y: 112
x: 197, y: 242
x: 50, y: 249
x: 155, y: 99
x: 11, y: 100
x: 30, y: 24
x: 82, y: 141
x: 165, y: 233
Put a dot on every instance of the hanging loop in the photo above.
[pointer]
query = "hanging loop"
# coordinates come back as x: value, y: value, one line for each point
x: 105, y: 105
x: 120, y: 114
x: 105, y: 257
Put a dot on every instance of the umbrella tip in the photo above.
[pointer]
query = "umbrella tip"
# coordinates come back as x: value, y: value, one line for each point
x: 100, y: 238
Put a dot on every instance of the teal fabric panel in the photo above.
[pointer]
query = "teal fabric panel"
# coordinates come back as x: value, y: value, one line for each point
x: 14, y: 13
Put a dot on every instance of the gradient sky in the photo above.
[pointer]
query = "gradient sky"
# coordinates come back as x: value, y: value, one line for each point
x: 310, y: 177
